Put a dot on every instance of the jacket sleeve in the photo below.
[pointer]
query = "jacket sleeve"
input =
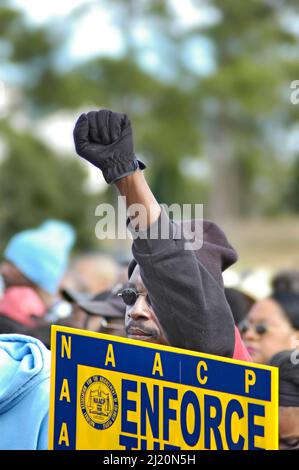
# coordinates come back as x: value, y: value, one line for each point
x: 189, y: 303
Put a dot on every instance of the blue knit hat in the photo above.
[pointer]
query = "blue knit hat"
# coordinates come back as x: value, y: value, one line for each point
x: 42, y: 254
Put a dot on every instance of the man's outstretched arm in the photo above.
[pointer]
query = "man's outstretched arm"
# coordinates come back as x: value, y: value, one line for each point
x: 136, y: 191
x: 189, y: 303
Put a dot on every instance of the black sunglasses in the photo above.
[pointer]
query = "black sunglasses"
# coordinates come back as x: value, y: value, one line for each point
x: 259, y: 328
x: 130, y: 295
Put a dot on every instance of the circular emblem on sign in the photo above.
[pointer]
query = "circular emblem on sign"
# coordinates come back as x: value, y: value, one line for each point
x: 99, y: 402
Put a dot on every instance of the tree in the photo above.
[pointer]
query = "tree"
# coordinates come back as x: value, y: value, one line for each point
x: 232, y: 116
x: 35, y: 185
x: 246, y: 105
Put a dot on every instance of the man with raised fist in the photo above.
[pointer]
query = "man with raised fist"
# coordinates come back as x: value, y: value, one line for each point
x: 175, y: 294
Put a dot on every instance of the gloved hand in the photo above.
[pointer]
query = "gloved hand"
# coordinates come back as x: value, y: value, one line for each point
x: 104, y: 138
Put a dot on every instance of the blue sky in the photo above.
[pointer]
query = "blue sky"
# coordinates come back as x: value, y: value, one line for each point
x: 96, y: 32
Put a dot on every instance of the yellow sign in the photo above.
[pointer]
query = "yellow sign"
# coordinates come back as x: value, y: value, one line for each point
x: 114, y: 393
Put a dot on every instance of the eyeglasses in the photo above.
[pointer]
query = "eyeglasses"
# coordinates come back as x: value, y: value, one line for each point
x: 130, y: 295
x: 260, y: 329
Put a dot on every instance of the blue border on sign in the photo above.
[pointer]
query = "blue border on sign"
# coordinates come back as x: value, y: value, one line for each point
x: 177, y: 368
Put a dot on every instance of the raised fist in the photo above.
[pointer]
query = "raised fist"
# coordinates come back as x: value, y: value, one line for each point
x: 104, y: 138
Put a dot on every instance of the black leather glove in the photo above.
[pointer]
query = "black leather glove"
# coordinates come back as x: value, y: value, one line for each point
x: 104, y: 138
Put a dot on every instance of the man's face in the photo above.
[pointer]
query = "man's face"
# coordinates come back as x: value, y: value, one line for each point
x: 267, y: 331
x: 288, y: 428
x: 12, y: 276
x: 141, y: 321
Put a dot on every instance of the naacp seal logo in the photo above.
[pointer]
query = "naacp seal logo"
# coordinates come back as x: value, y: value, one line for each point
x: 99, y: 402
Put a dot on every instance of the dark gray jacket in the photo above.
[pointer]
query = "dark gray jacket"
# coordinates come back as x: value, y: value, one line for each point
x: 186, y: 288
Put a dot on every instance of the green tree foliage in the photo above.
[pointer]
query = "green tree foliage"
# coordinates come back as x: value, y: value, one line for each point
x: 236, y: 116
x: 35, y: 185
x: 247, y: 103
x: 292, y: 191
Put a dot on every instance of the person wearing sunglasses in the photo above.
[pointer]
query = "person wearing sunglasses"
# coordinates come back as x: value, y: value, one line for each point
x: 175, y: 294
x: 272, y: 325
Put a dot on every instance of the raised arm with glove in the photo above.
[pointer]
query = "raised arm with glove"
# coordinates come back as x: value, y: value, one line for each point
x: 181, y: 291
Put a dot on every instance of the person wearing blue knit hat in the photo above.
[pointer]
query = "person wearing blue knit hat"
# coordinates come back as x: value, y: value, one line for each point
x: 38, y: 258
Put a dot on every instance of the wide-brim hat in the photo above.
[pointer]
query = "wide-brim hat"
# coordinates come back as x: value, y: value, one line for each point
x: 106, y: 304
x: 215, y: 254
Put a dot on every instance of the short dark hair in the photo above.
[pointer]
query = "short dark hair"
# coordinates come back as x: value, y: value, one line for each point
x: 286, y: 281
x: 239, y: 303
x: 289, y: 303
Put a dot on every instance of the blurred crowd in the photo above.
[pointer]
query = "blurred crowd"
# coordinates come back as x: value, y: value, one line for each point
x: 42, y: 284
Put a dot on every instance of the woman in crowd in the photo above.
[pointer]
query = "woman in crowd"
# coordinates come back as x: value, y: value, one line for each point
x: 272, y: 325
